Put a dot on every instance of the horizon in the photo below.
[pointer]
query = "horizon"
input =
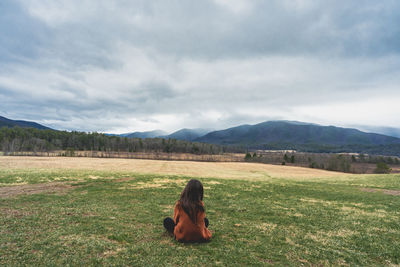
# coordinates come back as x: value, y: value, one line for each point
x: 139, y: 66
x: 393, y: 132
x: 212, y: 130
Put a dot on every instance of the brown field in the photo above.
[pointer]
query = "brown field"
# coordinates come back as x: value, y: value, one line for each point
x: 233, y: 170
x: 226, y: 157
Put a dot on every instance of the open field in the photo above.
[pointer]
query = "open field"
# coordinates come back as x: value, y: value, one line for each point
x: 232, y: 170
x: 226, y: 157
x: 84, y: 211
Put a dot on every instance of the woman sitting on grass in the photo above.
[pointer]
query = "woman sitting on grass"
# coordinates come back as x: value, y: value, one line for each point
x: 190, y: 222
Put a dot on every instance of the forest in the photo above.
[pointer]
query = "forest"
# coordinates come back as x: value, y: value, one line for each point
x: 30, y: 139
x: 373, y: 149
x: 343, y: 162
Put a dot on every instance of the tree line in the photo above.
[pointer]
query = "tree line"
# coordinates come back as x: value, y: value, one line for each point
x: 352, y: 163
x: 388, y: 150
x: 30, y: 139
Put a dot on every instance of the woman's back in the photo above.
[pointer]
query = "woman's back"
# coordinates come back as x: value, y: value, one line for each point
x: 188, y: 231
x: 189, y: 223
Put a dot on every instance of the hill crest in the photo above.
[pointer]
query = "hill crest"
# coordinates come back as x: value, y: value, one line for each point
x: 294, y: 133
x: 5, y: 122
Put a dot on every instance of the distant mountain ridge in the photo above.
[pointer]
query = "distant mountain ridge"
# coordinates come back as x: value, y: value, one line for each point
x: 266, y: 134
x: 390, y: 131
x: 148, y: 134
x: 275, y: 132
x: 279, y: 133
x: 182, y: 134
x: 4, y: 122
x: 187, y: 134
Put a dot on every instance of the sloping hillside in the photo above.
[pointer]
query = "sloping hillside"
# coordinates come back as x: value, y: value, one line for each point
x: 148, y: 134
x: 4, y: 122
x: 188, y: 134
x: 294, y: 133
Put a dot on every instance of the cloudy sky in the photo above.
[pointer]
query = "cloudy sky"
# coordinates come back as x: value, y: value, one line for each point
x: 123, y: 66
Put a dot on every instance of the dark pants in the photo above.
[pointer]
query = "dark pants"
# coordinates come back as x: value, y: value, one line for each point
x: 169, y: 224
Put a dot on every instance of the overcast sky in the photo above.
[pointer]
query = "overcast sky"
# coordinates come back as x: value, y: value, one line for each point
x: 123, y: 66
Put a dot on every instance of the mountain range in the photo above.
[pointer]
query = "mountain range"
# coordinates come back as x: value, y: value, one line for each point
x: 298, y: 133
x: 277, y: 132
x: 183, y: 134
x: 273, y: 133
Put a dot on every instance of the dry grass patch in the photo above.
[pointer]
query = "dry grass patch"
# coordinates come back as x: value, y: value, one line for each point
x: 156, y: 183
x: 318, y: 237
x: 142, y: 185
x: 14, y: 213
x: 61, y: 178
x: 290, y: 241
x: 354, y: 205
x: 296, y: 214
x: 380, y: 230
x: 11, y: 184
x: 385, y: 191
x: 55, y: 187
x: 266, y: 227
x: 80, y: 238
x: 109, y: 253
x: 319, y: 201
x: 111, y: 247
x: 341, y: 233
x: 377, y: 213
x: 125, y: 179
x: 169, y: 181
x: 212, y: 182
x: 326, y: 237
x: 167, y: 208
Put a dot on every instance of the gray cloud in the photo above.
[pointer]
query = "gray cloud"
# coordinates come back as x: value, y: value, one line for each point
x: 21, y: 34
x: 140, y: 65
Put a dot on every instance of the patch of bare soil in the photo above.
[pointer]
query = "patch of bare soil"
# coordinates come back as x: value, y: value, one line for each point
x: 55, y: 187
x: 385, y: 191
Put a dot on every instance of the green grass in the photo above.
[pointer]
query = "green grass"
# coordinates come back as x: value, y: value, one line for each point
x: 108, y: 220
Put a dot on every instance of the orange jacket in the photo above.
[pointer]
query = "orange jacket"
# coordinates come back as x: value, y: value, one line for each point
x: 186, y: 230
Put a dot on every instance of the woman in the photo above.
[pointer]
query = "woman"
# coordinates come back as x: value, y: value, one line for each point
x: 190, y: 222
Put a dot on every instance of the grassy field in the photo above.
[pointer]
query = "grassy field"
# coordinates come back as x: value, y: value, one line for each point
x: 110, y: 212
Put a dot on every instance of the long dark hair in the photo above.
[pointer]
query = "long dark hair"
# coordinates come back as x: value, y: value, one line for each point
x: 191, y: 198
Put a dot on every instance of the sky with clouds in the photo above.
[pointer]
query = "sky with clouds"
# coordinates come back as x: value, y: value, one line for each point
x: 122, y: 66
